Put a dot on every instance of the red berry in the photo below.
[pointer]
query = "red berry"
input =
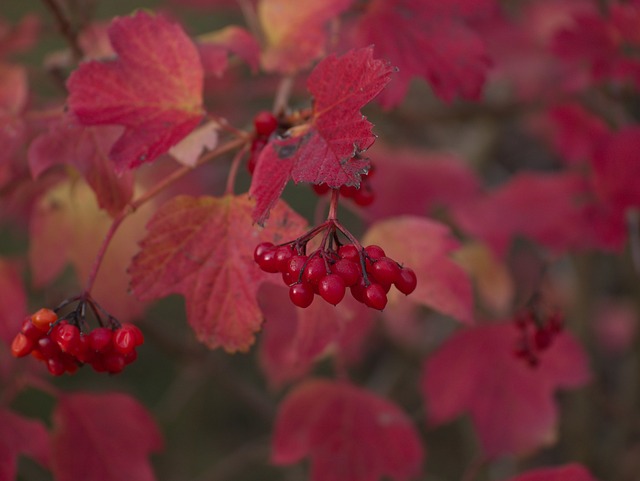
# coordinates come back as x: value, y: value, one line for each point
x: 358, y: 290
x: 386, y: 271
x: 47, y: 348
x: 56, y: 366
x: 542, y: 339
x: 139, y: 337
x: 295, y: 265
x: 31, y: 331
x: 301, y: 294
x: 21, y: 345
x: 375, y: 296
x: 124, y: 340
x: 348, y: 270
x: 331, y: 288
x: 85, y: 352
x: 100, y: 339
x: 265, y: 123
x: 365, y: 196
x: 374, y: 251
x: 129, y: 358
x: 268, y: 262
x: 406, y: 281
x: 348, y: 191
x: 260, y: 250
x: 349, y: 252
x: 321, y: 189
x: 113, y: 362
x: 283, y: 254
x: 314, y: 270
x: 43, y: 318
x: 68, y: 338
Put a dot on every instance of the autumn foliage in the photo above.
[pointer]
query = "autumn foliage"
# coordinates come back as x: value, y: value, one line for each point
x: 414, y: 223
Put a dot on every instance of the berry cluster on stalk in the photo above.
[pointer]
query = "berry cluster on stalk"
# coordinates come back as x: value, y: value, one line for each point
x: 66, y: 343
x: 536, y: 333
x: 334, y: 267
x: 264, y: 123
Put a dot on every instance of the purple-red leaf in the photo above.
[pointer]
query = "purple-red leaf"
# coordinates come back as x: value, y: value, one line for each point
x: 104, y: 437
x: 153, y: 88
x: 203, y: 248
x: 328, y: 147
x: 18, y: 436
x: 86, y: 149
x: 511, y: 403
x: 349, y: 434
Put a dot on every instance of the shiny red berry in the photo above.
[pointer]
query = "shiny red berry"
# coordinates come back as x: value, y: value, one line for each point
x: 314, y: 270
x: 386, y: 271
x: 68, y: 338
x: 21, y: 345
x: 100, y: 339
x: 301, y: 294
x: 375, y: 296
x: 406, y: 281
x: 349, y: 252
x: 124, y: 340
x: 331, y: 288
x: 265, y: 123
x: 348, y: 270
x: 43, y: 319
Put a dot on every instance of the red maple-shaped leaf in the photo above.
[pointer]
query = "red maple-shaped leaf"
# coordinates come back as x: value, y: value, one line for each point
x: 293, y: 338
x: 327, y: 148
x: 424, y: 246
x: 203, y: 248
x: 349, y: 434
x: 153, y: 88
x: 103, y: 437
x: 569, y: 472
x: 511, y: 404
x: 296, y: 33
x: 432, y: 42
x: 86, y: 149
x: 21, y: 436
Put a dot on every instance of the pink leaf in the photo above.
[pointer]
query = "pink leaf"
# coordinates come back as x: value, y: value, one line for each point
x: 349, y: 434
x: 18, y: 436
x: 215, y: 46
x: 153, y: 88
x: 203, y: 248
x: 86, y: 149
x: 511, y: 404
x: 569, y: 472
x: 100, y: 437
x: 327, y: 148
x: 424, y: 246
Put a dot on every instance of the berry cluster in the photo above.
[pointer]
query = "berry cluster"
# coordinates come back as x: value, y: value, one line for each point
x: 63, y: 347
x: 537, y: 333
x: 264, y: 124
x: 362, y: 196
x: 332, y: 268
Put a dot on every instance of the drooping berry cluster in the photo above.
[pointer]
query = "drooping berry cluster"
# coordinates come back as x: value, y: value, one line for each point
x: 264, y: 123
x: 537, y: 332
x: 333, y: 267
x: 362, y: 196
x: 63, y: 346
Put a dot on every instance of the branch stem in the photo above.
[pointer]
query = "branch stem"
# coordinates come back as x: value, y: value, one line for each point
x: 66, y: 29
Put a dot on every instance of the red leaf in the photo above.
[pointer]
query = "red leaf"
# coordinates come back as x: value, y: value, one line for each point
x: 327, y: 148
x: 153, y: 88
x: 19, y: 38
x: 569, y: 472
x: 617, y: 169
x: 202, y: 248
x: 349, y: 434
x: 13, y: 99
x: 18, y: 436
x: 103, y: 438
x: 428, y: 179
x: 296, y: 33
x: 13, y: 300
x: 85, y: 148
x: 555, y: 210
x: 434, y: 44
x: 511, y: 404
x: 425, y: 245
x: 294, y: 338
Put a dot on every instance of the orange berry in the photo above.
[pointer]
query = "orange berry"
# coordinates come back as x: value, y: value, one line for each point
x: 43, y: 319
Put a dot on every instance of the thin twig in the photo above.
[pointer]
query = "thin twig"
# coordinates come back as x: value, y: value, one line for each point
x: 66, y: 29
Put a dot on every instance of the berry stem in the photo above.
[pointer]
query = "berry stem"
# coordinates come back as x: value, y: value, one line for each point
x: 333, y: 206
